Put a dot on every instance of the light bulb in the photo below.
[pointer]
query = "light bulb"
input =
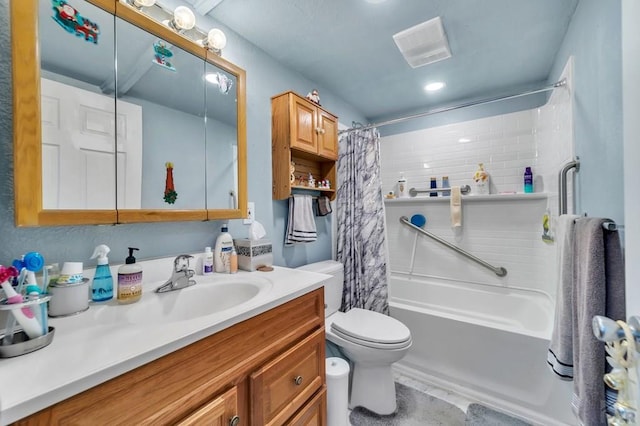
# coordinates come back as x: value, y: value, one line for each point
x: 435, y: 86
x: 216, y: 39
x: 183, y: 18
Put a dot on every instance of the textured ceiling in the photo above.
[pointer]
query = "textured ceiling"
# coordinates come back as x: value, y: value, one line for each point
x: 346, y: 46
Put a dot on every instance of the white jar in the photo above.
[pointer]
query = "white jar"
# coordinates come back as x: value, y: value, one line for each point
x: 69, y: 299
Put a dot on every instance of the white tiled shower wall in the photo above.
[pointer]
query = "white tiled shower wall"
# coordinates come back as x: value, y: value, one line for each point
x: 541, y: 138
x: 505, y: 233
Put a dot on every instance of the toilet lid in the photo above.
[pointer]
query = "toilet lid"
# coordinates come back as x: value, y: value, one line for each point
x: 371, y: 329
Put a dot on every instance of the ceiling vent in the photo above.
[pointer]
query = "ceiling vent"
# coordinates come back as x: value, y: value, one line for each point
x: 424, y: 43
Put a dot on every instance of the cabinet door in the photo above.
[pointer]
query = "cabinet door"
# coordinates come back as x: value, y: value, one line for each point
x: 222, y: 411
x: 327, y: 135
x: 304, y: 130
x: 314, y: 413
x: 284, y: 385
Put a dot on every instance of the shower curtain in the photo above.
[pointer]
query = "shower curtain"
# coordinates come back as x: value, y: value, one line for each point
x: 361, y: 222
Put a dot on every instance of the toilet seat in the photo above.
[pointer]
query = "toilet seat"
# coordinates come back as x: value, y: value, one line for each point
x: 371, y: 329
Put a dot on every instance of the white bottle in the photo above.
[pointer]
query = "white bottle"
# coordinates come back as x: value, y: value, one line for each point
x: 401, y: 187
x: 207, y: 261
x: 222, y: 251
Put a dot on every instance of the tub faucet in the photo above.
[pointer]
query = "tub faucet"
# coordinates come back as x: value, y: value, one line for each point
x: 181, y: 275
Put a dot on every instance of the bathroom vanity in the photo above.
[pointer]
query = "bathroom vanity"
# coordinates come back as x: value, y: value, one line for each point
x: 261, y: 362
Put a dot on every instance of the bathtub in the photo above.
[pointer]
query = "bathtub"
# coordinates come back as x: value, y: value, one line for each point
x: 485, y: 342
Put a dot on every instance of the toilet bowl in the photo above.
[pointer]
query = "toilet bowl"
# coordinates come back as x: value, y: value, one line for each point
x: 372, y: 342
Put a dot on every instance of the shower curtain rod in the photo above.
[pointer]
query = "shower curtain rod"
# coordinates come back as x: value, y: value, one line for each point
x: 547, y: 88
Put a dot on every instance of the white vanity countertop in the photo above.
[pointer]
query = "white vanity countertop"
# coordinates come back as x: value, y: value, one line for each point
x: 97, y: 345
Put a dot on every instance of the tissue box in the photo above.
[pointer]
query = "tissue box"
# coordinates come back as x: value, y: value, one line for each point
x: 253, y: 253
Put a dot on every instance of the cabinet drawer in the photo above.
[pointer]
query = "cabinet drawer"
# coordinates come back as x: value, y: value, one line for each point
x: 314, y: 413
x: 222, y: 411
x: 284, y: 385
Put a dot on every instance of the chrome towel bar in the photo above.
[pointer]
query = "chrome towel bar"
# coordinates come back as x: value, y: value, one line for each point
x: 498, y: 270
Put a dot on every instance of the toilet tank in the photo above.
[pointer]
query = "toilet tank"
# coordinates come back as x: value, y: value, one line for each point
x: 333, y: 286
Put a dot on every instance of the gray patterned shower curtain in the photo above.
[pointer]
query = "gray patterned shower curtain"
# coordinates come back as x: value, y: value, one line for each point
x: 361, y: 222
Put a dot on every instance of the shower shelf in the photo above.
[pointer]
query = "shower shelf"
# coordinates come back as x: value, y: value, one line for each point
x: 470, y: 198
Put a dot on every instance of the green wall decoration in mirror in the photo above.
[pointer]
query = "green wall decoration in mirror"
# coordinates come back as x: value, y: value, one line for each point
x: 92, y: 140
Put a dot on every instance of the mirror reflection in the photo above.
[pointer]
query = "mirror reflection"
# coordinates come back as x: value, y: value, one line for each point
x: 161, y: 126
x: 222, y: 138
x: 160, y: 133
x: 77, y: 110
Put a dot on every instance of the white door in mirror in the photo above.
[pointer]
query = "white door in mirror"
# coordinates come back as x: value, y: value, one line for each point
x: 78, y: 148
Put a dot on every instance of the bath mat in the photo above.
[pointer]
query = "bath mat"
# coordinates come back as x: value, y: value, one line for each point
x: 479, y: 415
x: 414, y: 409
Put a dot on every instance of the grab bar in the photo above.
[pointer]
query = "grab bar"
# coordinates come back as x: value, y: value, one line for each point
x: 498, y: 270
x: 463, y: 190
x: 562, y: 184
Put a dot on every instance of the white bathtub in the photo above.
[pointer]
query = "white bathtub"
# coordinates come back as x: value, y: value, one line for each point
x: 486, y: 343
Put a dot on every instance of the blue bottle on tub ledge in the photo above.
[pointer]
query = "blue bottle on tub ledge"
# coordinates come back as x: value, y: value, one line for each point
x: 528, y: 180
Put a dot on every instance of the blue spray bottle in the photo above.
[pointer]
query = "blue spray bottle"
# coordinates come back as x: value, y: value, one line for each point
x: 102, y: 286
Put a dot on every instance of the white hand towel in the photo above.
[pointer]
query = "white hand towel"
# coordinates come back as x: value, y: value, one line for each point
x: 560, y: 354
x: 301, y: 225
x: 456, y: 207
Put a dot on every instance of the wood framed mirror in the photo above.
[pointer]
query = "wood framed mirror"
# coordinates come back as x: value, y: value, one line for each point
x: 98, y: 178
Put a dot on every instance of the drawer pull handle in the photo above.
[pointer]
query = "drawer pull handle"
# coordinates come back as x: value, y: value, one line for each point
x: 234, y: 421
x: 298, y: 380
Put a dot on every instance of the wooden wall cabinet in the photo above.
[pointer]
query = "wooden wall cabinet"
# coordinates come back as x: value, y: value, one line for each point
x: 307, y: 135
x: 267, y: 370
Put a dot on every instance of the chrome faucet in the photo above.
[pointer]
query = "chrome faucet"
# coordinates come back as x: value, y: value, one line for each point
x: 181, y: 276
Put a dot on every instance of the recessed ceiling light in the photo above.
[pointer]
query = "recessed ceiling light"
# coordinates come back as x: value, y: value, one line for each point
x: 375, y: 1
x: 464, y: 140
x: 432, y: 87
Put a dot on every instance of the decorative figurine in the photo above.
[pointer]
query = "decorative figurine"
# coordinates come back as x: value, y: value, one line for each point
x: 68, y: 18
x: 314, y: 97
x: 292, y: 168
x: 162, y: 55
x: 170, y: 194
x: 312, y: 181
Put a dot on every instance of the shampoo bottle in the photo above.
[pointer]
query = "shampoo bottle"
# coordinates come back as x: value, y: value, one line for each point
x: 233, y: 262
x: 129, y: 280
x: 102, y: 285
x: 222, y: 251
x: 528, y: 180
x: 207, y: 261
x: 481, y: 179
x: 401, y: 187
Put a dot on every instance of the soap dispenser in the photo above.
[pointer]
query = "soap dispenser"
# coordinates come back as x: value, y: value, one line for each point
x: 102, y: 285
x: 129, y: 280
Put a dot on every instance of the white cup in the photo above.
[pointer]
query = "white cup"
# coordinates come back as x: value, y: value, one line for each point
x: 71, y: 273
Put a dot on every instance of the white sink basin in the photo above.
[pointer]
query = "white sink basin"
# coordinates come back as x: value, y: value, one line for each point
x: 208, y: 296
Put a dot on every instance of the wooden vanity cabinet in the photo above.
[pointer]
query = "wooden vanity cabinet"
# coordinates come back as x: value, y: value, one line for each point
x: 307, y: 135
x: 272, y: 363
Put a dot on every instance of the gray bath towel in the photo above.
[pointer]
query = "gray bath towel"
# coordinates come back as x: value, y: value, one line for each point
x: 301, y: 224
x: 560, y: 354
x: 598, y: 290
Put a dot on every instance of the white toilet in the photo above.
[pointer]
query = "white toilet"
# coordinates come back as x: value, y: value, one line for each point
x: 371, y: 340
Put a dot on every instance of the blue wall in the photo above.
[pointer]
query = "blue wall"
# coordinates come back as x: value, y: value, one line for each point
x: 594, y: 40
x: 265, y: 78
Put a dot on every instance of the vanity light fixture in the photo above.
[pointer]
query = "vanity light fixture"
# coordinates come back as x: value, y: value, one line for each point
x: 183, y: 19
x: 215, y: 41
x: 434, y: 87
x: 142, y: 3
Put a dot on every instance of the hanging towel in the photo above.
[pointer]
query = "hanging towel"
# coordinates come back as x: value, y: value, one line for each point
x: 599, y: 289
x: 455, y: 204
x: 560, y: 353
x: 324, y: 205
x: 301, y: 225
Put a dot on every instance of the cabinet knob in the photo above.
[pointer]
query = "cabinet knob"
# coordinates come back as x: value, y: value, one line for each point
x: 322, y: 131
x: 233, y: 421
x: 298, y: 380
